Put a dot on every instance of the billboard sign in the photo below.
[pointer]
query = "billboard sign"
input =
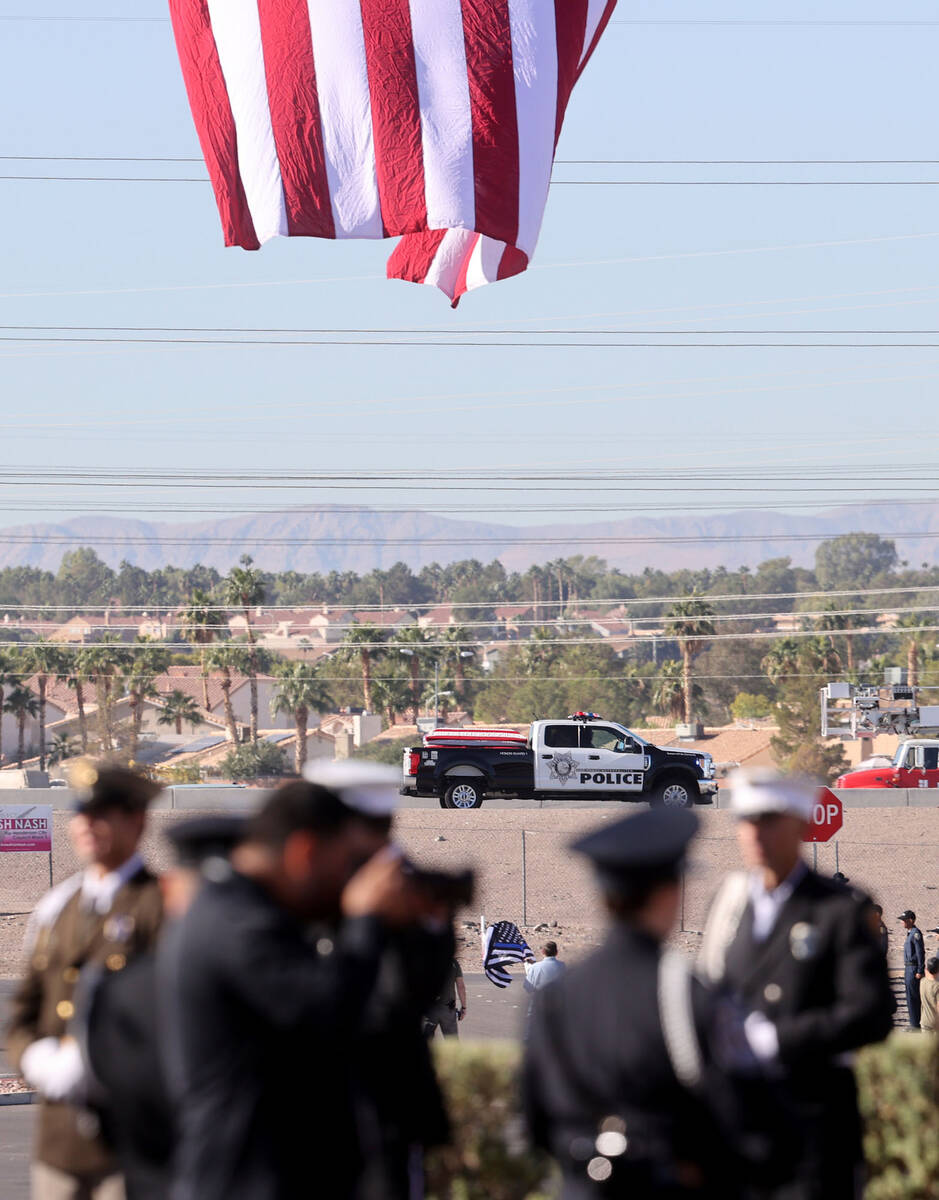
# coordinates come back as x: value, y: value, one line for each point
x: 26, y: 827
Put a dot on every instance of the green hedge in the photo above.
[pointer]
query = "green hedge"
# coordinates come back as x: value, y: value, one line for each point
x: 489, y: 1159
x: 897, y: 1085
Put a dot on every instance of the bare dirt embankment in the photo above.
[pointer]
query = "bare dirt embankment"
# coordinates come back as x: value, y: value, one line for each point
x: 528, y: 875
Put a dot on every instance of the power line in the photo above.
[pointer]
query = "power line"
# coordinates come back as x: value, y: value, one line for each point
x: 475, y: 681
x: 470, y: 643
x: 317, y: 606
x: 471, y: 345
x: 470, y: 331
x: 554, y: 182
x: 559, y: 162
x: 730, y: 22
x: 585, y: 541
x: 574, y: 621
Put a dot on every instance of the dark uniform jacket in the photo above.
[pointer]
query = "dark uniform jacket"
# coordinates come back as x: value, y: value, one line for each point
x: 821, y: 978
x: 69, y: 1138
x: 914, y: 952
x: 596, y: 1051
x: 398, y: 1100
x: 259, y: 1029
x: 121, y: 1044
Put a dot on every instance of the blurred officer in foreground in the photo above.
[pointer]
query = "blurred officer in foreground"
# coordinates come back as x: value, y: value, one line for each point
x: 800, y: 951
x: 617, y: 1081
x: 914, y: 965
x: 399, y: 1107
x: 118, y: 1018
x: 262, y: 1021
x: 104, y: 915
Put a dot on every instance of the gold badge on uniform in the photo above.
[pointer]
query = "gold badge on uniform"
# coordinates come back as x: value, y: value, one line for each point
x: 115, y: 962
x: 65, y: 1010
x: 804, y: 941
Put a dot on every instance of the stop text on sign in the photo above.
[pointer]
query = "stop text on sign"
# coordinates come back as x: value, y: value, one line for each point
x: 827, y: 817
x: 825, y: 814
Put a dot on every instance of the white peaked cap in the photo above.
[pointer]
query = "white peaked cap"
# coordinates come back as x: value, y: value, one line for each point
x: 758, y: 790
x: 370, y: 788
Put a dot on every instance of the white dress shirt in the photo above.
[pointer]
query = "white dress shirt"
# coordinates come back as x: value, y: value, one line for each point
x: 98, y: 891
x: 540, y: 974
x: 767, y: 905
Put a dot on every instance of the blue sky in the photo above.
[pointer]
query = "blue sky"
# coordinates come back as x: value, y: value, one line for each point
x: 654, y: 257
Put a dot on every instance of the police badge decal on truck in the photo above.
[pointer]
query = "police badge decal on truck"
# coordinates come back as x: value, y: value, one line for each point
x: 581, y: 756
x: 562, y: 767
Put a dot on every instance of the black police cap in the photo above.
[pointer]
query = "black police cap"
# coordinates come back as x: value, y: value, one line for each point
x: 909, y: 915
x: 649, y: 842
x: 200, y: 838
x: 105, y: 788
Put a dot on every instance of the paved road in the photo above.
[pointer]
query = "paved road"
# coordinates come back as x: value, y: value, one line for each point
x: 503, y: 802
x: 16, y: 1132
x: 6, y: 991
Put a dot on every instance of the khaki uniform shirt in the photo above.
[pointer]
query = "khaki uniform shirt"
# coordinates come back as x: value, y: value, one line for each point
x: 68, y: 1137
x: 929, y: 996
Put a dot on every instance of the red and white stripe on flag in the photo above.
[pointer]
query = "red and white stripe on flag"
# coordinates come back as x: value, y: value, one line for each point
x: 432, y: 120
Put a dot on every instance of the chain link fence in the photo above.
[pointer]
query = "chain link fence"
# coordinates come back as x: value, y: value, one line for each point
x: 530, y: 876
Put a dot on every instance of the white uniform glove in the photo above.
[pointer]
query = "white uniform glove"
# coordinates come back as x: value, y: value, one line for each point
x: 761, y: 1036
x: 54, y: 1067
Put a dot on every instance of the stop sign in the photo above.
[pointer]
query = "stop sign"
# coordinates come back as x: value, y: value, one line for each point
x: 827, y: 818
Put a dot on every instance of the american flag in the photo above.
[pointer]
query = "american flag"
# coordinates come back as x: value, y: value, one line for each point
x: 504, y: 944
x: 436, y: 120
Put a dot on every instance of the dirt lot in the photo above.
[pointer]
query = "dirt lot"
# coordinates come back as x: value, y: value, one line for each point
x: 527, y: 874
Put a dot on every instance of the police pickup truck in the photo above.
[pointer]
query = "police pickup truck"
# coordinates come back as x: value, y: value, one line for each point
x: 581, y: 758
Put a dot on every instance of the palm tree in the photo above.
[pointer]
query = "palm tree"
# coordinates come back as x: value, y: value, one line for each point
x: 202, y: 622
x: 689, y: 623
x: 915, y: 643
x: 412, y: 643
x: 833, y: 620
x: 782, y: 659
x: 62, y: 748
x: 361, y: 642
x: 538, y: 651
x: 77, y: 672
x: 8, y: 678
x: 668, y: 695
x: 20, y: 704
x: 226, y: 657
x: 819, y: 657
x: 147, y: 662
x: 244, y: 589
x: 457, y: 652
x: 108, y: 661
x: 391, y: 692
x: 46, y: 661
x: 299, y: 691
x: 179, y: 707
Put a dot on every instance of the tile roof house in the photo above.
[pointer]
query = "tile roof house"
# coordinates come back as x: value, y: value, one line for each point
x: 189, y: 680
x: 385, y: 618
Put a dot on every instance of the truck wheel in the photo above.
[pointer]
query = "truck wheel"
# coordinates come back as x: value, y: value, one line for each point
x: 673, y: 793
x: 465, y: 793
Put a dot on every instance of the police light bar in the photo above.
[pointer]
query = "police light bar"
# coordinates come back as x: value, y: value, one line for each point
x: 585, y: 716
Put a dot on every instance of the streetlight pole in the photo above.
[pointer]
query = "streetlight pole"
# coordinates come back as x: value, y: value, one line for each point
x: 436, y: 693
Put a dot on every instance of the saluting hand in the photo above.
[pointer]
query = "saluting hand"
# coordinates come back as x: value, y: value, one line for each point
x: 382, y: 889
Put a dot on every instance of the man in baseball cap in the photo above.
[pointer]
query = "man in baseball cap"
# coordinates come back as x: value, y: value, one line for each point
x: 914, y: 965
x: 798, y: 950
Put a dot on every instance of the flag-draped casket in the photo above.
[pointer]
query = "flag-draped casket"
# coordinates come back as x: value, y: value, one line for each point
x: 435, y: 120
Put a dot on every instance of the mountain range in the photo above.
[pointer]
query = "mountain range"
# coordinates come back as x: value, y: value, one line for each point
x: 360, y: 539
